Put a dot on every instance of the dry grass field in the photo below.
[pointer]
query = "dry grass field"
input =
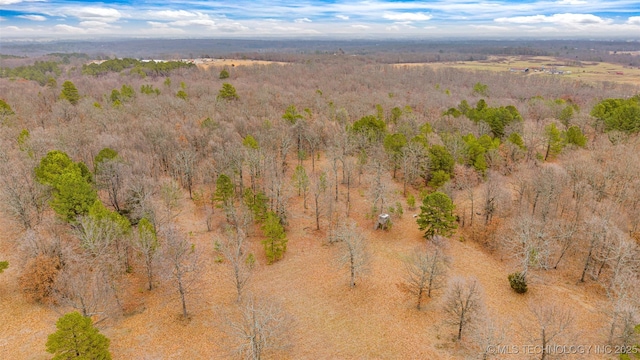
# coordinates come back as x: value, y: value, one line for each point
x: 375, y: 320
x: 216, y: 63
x: 585, y: 71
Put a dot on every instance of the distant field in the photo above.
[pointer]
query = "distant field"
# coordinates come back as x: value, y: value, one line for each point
x: 207, y: 63
x: 587, y: 71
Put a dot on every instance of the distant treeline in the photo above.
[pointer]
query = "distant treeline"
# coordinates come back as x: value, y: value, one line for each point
x: 41, y: 71
x: 150, y: 68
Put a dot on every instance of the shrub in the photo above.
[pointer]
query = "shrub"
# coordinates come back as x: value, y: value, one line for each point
x: 39, y: 277
x: 518, y: 282
x: 411, y: 202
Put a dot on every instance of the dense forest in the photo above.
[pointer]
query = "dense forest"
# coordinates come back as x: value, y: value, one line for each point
x: 335, y: 206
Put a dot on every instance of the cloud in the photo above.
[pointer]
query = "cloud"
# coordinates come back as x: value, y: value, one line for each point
x: 490, y: 27
x: 567, y: 19
x: 571, y: 2
x: 232, y: 27
x: 295, y: 29
x: 158, y: 25
x: 95, y: 14
x: 361, y: 27
x: 634, y: 20
x: 534, y: 19
x: 172, y: 14
x: 407, y: 16
x: 303, y: 20
x: 342, y: 17
x: 206, y: 22
x: 97, y: 24
x: 69, y: 29
x: 33, y: 17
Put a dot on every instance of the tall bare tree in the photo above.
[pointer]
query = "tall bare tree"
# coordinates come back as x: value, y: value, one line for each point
x: 463, y: 304
x: 23, y: 198
x: 426, y: 272
x: 554, y: 326
x: 183, y: 261
x: 240, y: 262
x: 261, y: 329
x: 354, y: 254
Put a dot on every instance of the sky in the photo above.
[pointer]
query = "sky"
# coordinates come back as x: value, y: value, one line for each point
x: 499, y: 19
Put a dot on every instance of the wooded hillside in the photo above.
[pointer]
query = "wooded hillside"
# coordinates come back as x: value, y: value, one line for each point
x: 232, y: 212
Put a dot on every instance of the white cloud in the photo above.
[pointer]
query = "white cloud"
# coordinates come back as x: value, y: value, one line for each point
x: 634, y: 20
x: 232, y: 27
x: 172, y: 14
x: 97, y: 24
x: 534, y: 19
x: 361, y: 27
x: 95, y: 14
x: 158, y: 25
x: 295, y: 30
x: 490, y: 27
x: 33, y: 17
x: 303, y: 20
x: 194, y: 22
x: 567, y: 19
x: 69, y: 29
x: 407, y: 16
x: 342, y: 17
x: 571, y: 2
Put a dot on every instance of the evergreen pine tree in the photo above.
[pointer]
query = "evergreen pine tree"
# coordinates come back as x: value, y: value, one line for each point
x: 77, y: 338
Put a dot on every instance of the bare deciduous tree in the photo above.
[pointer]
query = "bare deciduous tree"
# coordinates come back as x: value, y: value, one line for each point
x: 111, y: 175
x: 488, y: 336
x: 425, y: 272
x: 23, y: 198
x: 354, y: 253
x: 185, y: 169
x: 463, y: 304
x: 183, y: 262
x: 261, y: 328
x: 85, y: 289
x: 554, y: 327
x: 240, y: 263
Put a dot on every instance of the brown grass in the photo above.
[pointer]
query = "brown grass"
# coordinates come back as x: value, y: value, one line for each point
x: 588, y: 72
x: 375, y: 320
x: 228, y: 63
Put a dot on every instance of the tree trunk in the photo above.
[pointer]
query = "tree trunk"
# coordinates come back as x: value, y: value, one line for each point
x: 586, y: 264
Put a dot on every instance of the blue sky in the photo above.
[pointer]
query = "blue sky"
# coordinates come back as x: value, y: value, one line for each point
x: 46, y: 19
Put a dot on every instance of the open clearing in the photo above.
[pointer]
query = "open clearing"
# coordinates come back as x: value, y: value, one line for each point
x: 586, y: 71
x: 376, y: 320
x: 209, y: 63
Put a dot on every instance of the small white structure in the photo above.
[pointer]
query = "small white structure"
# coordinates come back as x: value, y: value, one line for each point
x: 384, y: 220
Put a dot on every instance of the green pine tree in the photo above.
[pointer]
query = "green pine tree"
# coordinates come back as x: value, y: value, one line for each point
x: 224, y: 190
x: 54, y: 164
x: 77, y: 338
x: 73, y: 195
x: 70, y: 92
x: 436, y: 216
x: 228, y: 92
x: 555, y: 141
x: 275, y: 245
